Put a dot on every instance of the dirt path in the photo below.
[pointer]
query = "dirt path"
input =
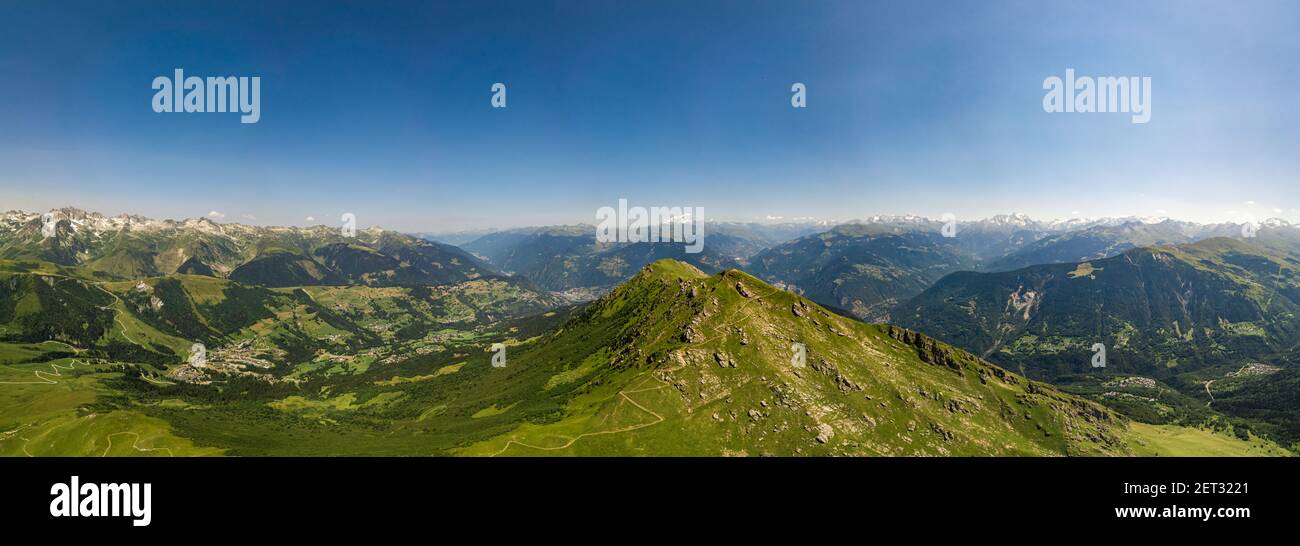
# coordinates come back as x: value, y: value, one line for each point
x: 41, y: 374
x: 65, y: 344
x: 133, y: 444
x: 658, y: 419
x: 156, y: 382
x: 117, y: 319
x: 719, y: 331
x: 9, y: 434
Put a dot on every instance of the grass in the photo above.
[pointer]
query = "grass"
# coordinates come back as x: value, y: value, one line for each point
x: 65, y: 418
x: 490, y: 411
x: 398, y: 380
x: 1177, y: 441
x: 129, y: 329
x: 11, y: 353
x: 1084, y: 269
x: 303, y: 404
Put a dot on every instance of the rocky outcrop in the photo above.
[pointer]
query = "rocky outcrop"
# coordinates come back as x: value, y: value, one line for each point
x: 928, y: 349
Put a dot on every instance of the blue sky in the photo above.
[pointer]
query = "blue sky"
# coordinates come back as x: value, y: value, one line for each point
x: 382, y: 109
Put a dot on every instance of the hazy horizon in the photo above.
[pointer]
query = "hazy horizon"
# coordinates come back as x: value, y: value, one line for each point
x: 327, y: 221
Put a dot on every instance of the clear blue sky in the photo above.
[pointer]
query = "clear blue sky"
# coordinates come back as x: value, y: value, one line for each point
x: 382, y: 109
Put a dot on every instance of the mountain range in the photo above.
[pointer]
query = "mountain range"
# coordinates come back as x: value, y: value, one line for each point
x: 126, y: 247
x: 314, y: 342
x: 1160, y: 310
x: 567, y: 258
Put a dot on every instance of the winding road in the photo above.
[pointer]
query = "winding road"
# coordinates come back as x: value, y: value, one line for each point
x: 1211, y: 382
x: 133, y: 444
x: 54, y: 371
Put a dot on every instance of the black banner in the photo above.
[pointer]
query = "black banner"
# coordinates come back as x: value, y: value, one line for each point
x: 324, y: 495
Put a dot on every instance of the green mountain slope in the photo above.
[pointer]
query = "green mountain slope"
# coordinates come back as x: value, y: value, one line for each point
x: 284, y: 268
x: 48, y: 305
x: 1159, y: 311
